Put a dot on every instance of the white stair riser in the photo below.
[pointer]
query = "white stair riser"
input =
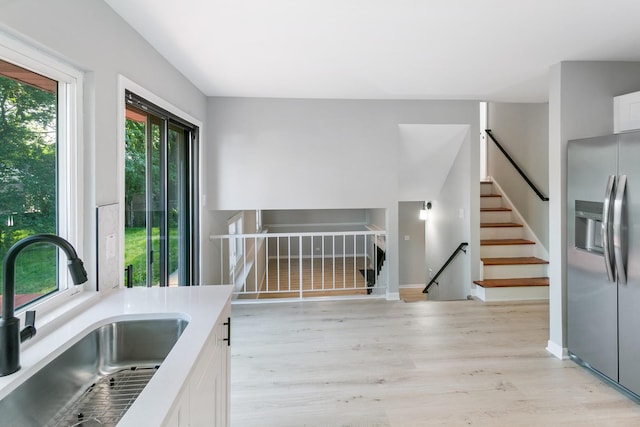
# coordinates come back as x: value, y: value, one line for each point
x: 514, y: 271
x: 486, y: 188
x: 501, y: 233
x: 506, y: 251
x: 512, y: 294
x: 490, y: 202
x: 499, y: 216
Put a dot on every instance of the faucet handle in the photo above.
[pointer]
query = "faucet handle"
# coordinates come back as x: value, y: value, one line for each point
x: 30, y: 318
x: 29, y: 326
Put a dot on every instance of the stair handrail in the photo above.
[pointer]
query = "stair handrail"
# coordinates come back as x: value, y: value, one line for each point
x: 515, y: 165
x: 460, y: 247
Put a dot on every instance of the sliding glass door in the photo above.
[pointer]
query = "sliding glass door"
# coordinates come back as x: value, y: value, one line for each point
x: 160, y: 197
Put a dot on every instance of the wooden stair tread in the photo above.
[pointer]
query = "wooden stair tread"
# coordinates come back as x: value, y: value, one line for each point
x: 495, y: 209
x: 499, y: 224
x: 513, y: 261
x: 512, y: 283
x: 502, y: 242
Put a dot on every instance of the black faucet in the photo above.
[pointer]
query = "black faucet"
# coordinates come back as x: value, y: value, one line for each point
x: 10, y: 334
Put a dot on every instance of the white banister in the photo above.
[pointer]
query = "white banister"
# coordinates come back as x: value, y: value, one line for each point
x: 257, y: 276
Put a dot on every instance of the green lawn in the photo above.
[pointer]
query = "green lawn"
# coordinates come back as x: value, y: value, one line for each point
x: 35, y: 270
x: 136, y: 253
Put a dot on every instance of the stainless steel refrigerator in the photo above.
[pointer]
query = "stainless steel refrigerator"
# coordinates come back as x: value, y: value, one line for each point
x: 603, y: 250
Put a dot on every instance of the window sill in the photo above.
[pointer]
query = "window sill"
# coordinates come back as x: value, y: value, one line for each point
x: 52, y: 318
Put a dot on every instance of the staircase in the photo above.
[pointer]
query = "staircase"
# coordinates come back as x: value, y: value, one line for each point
x: 511, y: 269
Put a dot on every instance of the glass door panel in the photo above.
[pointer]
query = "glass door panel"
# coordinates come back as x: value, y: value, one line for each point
x: 155, y: 196
x: 177, y: 190
x: 136, y: 128
x: 160, y: 198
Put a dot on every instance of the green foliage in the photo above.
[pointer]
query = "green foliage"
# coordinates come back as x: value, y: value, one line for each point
x: 27, y: 150
x: 28, y: 179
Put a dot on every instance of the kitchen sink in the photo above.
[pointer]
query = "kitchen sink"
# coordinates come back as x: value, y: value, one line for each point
x: 97, y: 379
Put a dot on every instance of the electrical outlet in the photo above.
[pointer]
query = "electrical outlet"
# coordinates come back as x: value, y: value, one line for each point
x: 431, y: 273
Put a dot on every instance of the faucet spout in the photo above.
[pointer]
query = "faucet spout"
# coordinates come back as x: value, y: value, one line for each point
x: 10, y: 335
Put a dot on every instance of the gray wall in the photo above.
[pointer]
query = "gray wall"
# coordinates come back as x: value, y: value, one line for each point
x: 316, y: 217
x: 580, y: 105
x: 321, y: 154
x: 523, y: 131
x: 411, y: 244
x: 377, y: 218
x: 449, y: 225
x: 89, y: 35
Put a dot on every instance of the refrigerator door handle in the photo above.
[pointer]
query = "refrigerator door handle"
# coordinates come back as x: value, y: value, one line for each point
x: 619, y: 230
x: 606, y: 229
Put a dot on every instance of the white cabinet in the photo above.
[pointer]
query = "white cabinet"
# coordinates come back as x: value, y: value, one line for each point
x: 179, y: 415
x: 626, y: 112
x: 204, y: 400
x: 209, y: 385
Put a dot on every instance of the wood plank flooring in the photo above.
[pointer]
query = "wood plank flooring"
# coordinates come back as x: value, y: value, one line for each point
x: 381, y: 363
x: 318, y: 279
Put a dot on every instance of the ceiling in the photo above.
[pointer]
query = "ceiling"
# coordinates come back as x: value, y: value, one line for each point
x: 493, y: 50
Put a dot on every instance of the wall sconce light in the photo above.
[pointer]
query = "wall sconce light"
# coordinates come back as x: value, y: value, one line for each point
x: 424, y: 212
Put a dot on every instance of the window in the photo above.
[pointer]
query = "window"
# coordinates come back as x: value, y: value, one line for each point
x: 38, y: 184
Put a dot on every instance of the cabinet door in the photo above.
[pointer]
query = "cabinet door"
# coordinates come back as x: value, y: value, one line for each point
x: 209, y: 390
x: 223, y: 383
x: 179, y: 416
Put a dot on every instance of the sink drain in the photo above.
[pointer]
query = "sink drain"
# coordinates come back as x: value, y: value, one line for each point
x: 106, y: 401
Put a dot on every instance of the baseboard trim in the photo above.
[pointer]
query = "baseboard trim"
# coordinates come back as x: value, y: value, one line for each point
x: 556, y: 350
x: 393, y: 296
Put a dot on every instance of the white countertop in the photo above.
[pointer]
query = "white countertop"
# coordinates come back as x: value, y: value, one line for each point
x: 200, y: 305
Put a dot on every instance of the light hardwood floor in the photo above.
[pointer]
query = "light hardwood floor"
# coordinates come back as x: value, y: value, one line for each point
x: 319, y: 279
x: 380, y: 363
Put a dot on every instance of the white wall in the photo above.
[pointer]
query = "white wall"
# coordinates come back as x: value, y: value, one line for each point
x: 580, y: 105
x: 376, y: 218
x: 89, y: 35
x: 449, y: 225
x: 320, y: 154
x: 523, y: 131
x: 354, y: 218
x: 411, y: 231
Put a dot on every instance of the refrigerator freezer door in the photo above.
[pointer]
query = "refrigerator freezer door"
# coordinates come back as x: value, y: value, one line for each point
x: 592, y: 323
x: 629, y: 293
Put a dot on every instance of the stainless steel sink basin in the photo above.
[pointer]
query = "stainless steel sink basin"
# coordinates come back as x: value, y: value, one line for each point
x: 97, y: 379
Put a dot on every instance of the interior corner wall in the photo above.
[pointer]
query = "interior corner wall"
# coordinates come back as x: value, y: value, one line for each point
x: 270, y: 153
x: 376, y: 218
x: 218, y: 224
x: 91, y: 37
x: 523, y: 131
x: 448, y: 226
x: 580, y: 105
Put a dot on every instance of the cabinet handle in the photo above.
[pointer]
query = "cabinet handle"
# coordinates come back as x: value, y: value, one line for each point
x: 228, y: 325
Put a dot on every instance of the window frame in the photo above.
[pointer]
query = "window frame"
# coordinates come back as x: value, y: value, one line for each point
x: 125, y: 84
x: 69, y: 167
x: 236, y: 245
